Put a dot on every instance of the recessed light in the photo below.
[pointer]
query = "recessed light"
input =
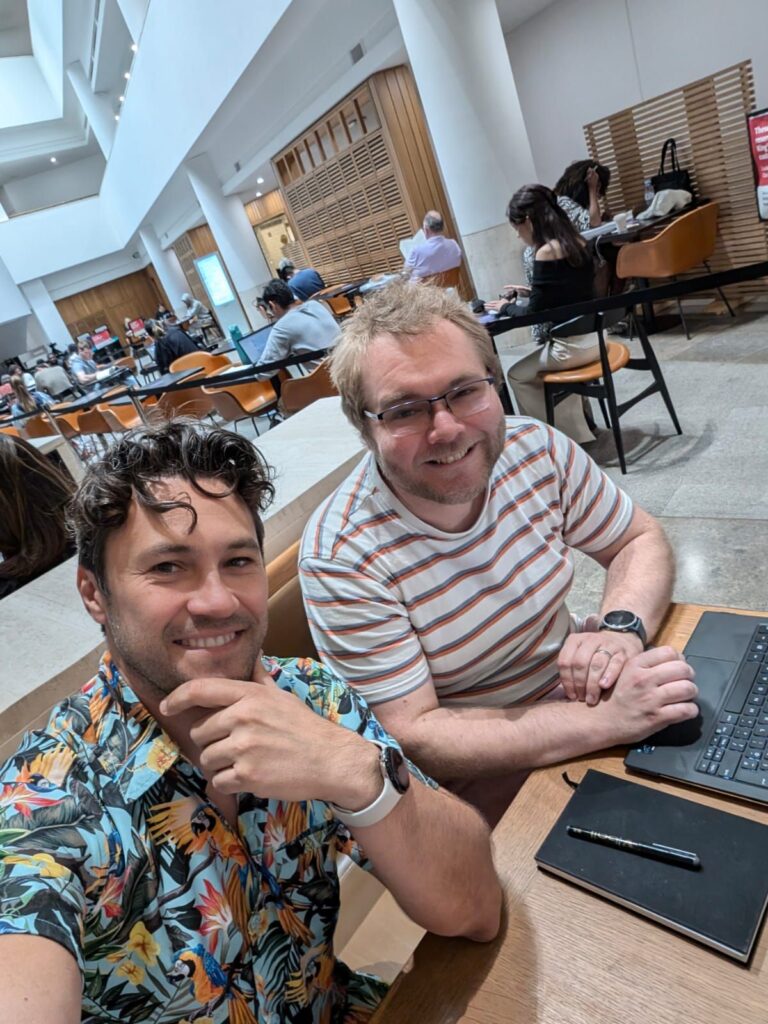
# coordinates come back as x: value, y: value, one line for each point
x: 127, y: 75
x: 134, y: 47
x: 53, y: 160
x: 259, y: 181
x: 117, y: 117
x: 258, y: 195
x: 120, y: 99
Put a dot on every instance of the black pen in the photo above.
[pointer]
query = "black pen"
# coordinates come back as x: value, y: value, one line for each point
x: 656, y: 851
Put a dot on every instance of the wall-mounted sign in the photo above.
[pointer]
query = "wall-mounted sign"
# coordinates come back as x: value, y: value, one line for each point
x: 757, y: 125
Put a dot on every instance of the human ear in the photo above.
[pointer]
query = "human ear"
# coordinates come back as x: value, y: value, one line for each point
x: 92, y: 596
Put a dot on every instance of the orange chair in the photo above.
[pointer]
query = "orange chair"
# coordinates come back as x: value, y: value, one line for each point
x: 199, y: 360
x: 445, y: 279
x: 125, y: 417
x: 10, y: 431
x: 128, y: 361
x: 240, y: 401
x: 299, y: 392
x: 92, y: 423
x: 684, y: 244
x: 288, y: 635
x: 37, y: 426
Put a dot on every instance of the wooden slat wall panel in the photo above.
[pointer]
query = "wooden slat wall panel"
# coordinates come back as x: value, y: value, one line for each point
x: 186, y: 254
x: 266, y: 207
x: 202, y: 241
x: 353, y: 196
x: 130, y: 296
x: 708, y: 120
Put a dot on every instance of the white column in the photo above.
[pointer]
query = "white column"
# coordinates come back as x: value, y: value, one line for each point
x: 167, y: 266
x: 95, y: 107
x: 459, y: 60
x: 47, y: 314
x: 234, y: 235
x: 134, y: 12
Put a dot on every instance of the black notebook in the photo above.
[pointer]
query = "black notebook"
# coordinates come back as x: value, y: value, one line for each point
x: 721, y: 905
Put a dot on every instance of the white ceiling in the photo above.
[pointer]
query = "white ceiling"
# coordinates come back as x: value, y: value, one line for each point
x: 15, y: 40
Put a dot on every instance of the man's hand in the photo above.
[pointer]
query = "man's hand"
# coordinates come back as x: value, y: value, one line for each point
x: 261, y: 739
x: 655, y: 689
x: 590, y: 663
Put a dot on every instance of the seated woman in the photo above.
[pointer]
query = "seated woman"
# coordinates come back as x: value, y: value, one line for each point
x: 561, y: 273
x: 579, y: 190
x: 33, y: 537
x: 25, y: 401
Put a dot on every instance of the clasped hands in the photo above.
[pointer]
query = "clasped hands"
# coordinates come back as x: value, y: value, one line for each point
x: 591, y: 662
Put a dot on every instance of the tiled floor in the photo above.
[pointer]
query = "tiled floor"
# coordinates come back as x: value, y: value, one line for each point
x: 709, y: 487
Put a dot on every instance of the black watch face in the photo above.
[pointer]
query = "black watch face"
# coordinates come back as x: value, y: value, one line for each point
x: 620, y: 619
x: 397, y: 769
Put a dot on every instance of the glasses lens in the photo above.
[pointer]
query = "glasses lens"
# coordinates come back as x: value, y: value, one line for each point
x: 469, y: 398
x: 408, y: 418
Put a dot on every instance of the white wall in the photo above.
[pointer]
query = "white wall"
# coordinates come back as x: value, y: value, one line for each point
x: 583, y: 59
x: 74, y: 180
x: 12, y: 302
x: 46, y: 29
x: 26, y: 98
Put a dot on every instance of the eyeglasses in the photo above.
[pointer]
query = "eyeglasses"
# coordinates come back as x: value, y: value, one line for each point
x: 415, y: 417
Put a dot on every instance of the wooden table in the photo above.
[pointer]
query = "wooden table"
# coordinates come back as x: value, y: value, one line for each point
x: 565, y: 956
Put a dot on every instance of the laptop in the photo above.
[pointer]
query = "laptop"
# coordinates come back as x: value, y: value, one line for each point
x: 251, y: 346
x: 726, y: 747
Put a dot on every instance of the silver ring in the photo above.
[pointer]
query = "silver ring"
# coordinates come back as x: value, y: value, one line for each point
x: 602, y: 650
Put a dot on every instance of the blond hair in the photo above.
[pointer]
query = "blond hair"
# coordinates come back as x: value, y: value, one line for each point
x: 401, y: 310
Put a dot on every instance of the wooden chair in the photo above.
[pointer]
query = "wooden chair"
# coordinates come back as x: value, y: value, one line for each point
x: 595, y: 380
x: 299, y: 392
x: 241, y: 401
x: 288, y: 635
x: 125, y: 417
x: 684, y: 244
x: 445, y: 279
x: 339, y: 305
x: 199, y: 360
x: 37, y: 426
x: 91, y: 423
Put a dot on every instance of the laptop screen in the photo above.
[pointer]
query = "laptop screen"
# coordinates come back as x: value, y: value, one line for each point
x: 251, y: 346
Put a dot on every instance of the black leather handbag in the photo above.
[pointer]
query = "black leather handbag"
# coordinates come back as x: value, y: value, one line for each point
x: 676, y: 177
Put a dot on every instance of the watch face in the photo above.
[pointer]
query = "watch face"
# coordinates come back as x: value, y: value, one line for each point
x: 397, y: 769
x: 620, y: 619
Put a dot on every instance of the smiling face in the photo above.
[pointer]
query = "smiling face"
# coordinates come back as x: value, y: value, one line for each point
x: 182, y: 604
x: 442, y: 473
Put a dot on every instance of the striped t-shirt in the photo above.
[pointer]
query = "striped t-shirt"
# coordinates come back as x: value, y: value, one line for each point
x: 393, y: 601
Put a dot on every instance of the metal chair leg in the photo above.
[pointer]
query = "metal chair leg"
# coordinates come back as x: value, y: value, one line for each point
x: 682, y: 318
x: 549, y: 404
x: 618, y: 440
x: 658, y: 376
x: 604, y: 411
x: 720, y: 291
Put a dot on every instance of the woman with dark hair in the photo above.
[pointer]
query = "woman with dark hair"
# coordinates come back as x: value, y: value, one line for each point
x: 579, y: 190
x: 33, y: 497
x: 561, y: 273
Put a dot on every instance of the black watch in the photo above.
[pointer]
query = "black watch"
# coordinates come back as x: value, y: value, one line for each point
x: 622, y: 621
x: 393, y: 763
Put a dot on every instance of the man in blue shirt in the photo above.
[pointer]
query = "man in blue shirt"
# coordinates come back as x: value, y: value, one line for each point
x: 303, y: 283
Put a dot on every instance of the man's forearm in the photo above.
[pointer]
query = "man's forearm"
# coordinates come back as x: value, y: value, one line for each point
x: 479, y: 743
x: 640, y: 578
x: 433, y: 854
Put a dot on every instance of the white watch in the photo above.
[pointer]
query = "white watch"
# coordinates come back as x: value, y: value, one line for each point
x: 396, y: 780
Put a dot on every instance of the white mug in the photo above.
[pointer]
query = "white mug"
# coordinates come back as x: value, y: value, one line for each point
x: 621, y: 220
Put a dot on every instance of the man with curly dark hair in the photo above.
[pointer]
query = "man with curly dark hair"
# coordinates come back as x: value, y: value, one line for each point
x: 169, y: 840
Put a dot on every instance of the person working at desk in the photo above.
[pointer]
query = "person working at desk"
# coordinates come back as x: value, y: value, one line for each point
x: 436, y: 254
x: 194, y: 307
x: 303, y: 283
x: 170, y: 839
x: 83, y: 367
x: 580, y: 190
x: 300, y: 328
x: 51, y: 378
x: 435, y: 577
x: 174, y: 342
x: 562, y: 273
x: 19, y: 373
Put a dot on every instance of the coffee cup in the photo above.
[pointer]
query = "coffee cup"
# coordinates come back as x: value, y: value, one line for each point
x: 621, y: 221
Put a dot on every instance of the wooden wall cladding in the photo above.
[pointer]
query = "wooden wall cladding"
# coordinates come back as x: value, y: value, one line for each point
x: 110, y: 303
x: 265, y: 207
x: 361, y: 178
x: 186, y: 253
x: 708, y: 120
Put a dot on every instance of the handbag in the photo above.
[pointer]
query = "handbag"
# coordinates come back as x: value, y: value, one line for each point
x: 677, y: 177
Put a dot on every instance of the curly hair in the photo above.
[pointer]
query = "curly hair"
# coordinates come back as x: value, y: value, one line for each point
x: 141, y: 457
x: 573, y: 181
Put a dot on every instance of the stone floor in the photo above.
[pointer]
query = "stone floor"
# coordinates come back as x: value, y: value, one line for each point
x: 708, y: 487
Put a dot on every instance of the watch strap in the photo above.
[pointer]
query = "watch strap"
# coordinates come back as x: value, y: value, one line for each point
x: 375, y: 812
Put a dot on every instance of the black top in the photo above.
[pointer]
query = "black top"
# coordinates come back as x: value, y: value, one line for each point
x: 172, y: 345
x: 554, y: 283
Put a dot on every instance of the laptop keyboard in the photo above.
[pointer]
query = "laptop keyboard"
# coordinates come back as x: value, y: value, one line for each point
x: 738, y: 747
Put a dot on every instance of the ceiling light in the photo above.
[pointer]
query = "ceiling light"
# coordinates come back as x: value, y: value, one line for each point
x: 258, y: 195
x: 259, y: 181
x: 117, y: 117
x: 120, y: 99
x: 53, y: 159
x: 127, y: 75
x: 134, y: 47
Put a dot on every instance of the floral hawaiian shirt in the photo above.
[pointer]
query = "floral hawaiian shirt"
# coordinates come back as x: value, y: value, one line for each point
x: 110, y: 847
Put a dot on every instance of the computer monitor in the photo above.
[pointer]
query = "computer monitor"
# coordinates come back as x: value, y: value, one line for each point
x: 251, y: 346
